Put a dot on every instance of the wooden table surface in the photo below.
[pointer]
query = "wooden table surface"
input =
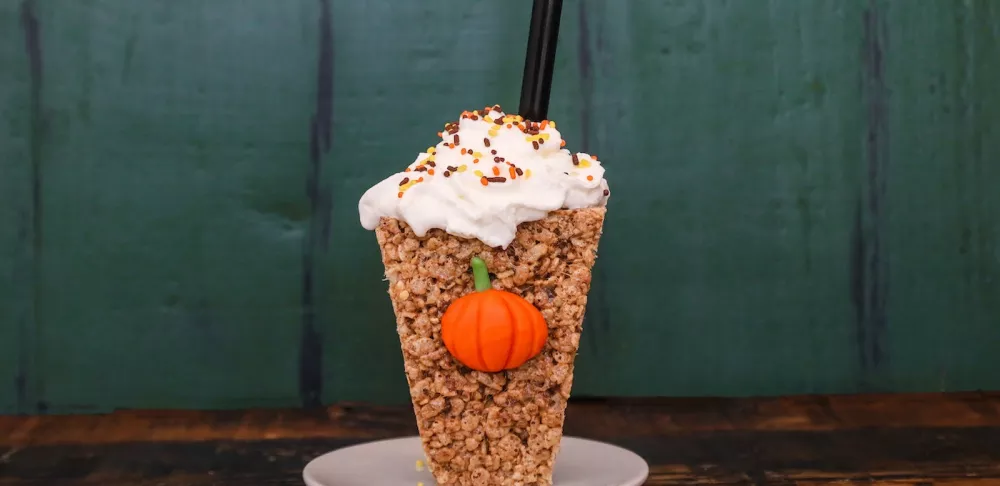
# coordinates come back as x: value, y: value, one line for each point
x: 951, y: 439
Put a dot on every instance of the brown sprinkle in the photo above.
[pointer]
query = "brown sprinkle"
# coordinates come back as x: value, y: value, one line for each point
x: 576, y: 160
x: 447, y: 174
x: 494, y: 151
x: 404, y: 181
x: 497, y: 159
x: 498, y: 121
x: 607, y: 192
x: 534, y: 144
x: 519, y: 171
x: 452, y: 168
x: 486, y: 141
x: 431, y: 163
x: 421, y: 168
x: 456, y: 139
x: 496, y: 179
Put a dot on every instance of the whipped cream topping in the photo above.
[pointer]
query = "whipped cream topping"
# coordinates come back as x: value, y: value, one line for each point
x: 489, y: 173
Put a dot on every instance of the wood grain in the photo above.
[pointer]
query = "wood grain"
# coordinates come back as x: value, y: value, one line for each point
x: 811, y: 441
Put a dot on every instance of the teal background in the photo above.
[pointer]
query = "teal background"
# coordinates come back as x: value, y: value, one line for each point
x: 806, y: 193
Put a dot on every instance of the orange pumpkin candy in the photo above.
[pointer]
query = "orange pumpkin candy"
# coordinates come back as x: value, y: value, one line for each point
x: 492, y: 330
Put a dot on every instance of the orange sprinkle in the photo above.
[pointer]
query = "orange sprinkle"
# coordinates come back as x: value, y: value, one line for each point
x: 420, y: 179
x: 399, y: 195
x: 463, y: 151
x: 545, y: 124
x: 510, y: 126
x: 407, y: 169
x: 513, y: 173
x: 496, y: 170
x: 439, y: 134
x: 451, y: 145
x: 431, y: 172
x: 562, y: 144
x: 590, y: 178
x: 475, y: 161
x: 483, y: 181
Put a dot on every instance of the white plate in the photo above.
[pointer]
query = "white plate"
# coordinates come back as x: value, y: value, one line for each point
x: 393, y: 462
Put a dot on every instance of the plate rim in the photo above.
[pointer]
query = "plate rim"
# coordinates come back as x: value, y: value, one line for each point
x: 311, y: 464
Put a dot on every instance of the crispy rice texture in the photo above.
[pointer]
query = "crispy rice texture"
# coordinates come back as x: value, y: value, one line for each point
x: 499, y: 428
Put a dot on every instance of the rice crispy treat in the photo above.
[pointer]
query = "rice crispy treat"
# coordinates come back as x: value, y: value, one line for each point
x: 503, y: 428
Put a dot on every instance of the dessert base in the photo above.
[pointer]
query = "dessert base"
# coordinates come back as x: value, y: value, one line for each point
x: 504, y: 428
x: 394, y: 462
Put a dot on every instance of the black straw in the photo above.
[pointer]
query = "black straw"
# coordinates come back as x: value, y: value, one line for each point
x: 543, y: 36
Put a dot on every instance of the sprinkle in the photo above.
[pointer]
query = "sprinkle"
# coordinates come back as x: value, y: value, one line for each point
x: 493, y: 133
x: 477, y: 154
x: 510, y: 126
x: 576, y: 159
x: 447, y: 174
x: 584, y: 163
x: 431, y: 163
x: 486, y: 140
x: 497, y: 159
x: 496, y: 179
x: 478, y: 173
x: 475, y: 161
x: 498, y: 121
x: 487, y: 118
x: 545, y: 124
x: 431, y: 150
x: 562, y: 143
x: 407, y: 169
x: 451, y: 145
x: 452, y: 168
x: 484, y: 181
x: 420, y: 169
x: 527, y: 173
x: 462, y: 168
x: 496, y: 170
x: 420, y: 179
x: 439, y: 134
x: 534, y: 144
x: 494, y: 151
x: 519, y: 171
x: 607, y: 192
x: 420, y: 465
x: 541, y: 140
x: 590, y: 178
x: 404, y: 181
x: 513, y: 173
x: 400, y: 195
x: 456, y: 139
x: 431, y: 172
x: 463, y: 151
x: 552, y: 124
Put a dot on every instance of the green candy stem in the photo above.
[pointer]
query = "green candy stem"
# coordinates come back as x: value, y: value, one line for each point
x: 480, y: 274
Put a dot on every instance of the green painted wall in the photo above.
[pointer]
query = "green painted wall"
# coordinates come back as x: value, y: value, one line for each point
x: 807, y: 194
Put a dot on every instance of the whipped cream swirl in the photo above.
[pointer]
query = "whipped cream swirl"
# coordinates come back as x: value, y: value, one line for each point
x: 489, y: 173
